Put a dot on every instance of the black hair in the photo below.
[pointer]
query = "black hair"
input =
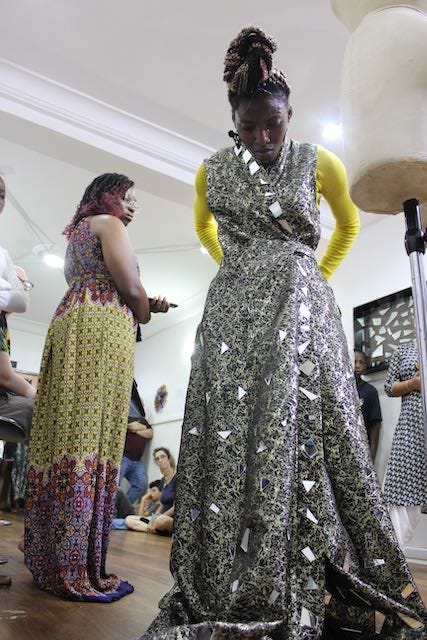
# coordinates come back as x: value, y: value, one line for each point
x: 101, y: 196
x: 248, y: 68
x: 364, y: 356
x: 155, y: 483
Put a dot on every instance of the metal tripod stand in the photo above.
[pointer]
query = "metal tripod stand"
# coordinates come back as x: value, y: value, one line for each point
x: 415, y: 244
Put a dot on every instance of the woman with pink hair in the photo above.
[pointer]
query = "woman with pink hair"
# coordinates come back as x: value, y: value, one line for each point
x: 81, y: 411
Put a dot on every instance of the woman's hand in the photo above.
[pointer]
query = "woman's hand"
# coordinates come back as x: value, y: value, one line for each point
x: 415, y: 382
x: 158, y: 305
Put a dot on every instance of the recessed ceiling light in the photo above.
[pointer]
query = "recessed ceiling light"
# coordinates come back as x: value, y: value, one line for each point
x: 54, y: 261
x: 332, y: 131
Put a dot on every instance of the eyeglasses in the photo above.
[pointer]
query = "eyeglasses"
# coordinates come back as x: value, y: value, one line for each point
x: 131, y: 202
x: 26, y: 284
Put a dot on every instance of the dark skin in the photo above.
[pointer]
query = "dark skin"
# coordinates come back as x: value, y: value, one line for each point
x: 120, y: 261
x: 360, y: 366
x: 261, y: 123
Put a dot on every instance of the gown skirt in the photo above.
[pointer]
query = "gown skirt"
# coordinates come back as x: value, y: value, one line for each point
x: 280, y: 527
x: 76, y: 444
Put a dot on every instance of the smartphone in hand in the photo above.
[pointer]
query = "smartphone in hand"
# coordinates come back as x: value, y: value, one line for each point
x: 172, y: 305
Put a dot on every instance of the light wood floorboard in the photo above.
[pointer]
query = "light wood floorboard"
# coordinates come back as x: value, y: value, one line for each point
x: 26, y: 612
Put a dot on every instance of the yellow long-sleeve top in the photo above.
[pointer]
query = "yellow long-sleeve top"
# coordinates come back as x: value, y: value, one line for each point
x: 331, y: 183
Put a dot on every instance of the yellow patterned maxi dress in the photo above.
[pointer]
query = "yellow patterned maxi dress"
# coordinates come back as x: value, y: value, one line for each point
x: 78, y: 430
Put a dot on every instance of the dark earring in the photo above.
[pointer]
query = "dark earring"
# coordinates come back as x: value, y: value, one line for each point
x: 236, y: 137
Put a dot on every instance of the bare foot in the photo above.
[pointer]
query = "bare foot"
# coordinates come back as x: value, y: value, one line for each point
x: 21, y: 545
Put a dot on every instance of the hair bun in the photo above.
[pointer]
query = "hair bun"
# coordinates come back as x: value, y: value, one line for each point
x: 249, y: 60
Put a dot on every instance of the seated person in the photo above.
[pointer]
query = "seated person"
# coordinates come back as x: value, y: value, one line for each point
x: 16, y: 395
x: 16, y: 402
x: 122, y: 509
x: 161, y: 521
x: 138, y: 432
x: 151, y: 501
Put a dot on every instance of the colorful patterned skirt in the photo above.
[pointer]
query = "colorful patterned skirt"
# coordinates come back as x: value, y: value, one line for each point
x: 77, y: 441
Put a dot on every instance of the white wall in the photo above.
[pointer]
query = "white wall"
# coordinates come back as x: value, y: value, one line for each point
x: 378, y: 265
x: 165, y: 358
x: 27, y: 348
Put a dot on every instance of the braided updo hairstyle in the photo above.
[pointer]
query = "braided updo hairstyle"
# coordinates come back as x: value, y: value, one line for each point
x: 103, y: 195
x: 248, y: 67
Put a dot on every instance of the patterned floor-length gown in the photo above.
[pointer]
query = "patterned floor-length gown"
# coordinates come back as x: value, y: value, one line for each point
x: 280, y: 529
x: 78, y: 431
x: 406, y: 475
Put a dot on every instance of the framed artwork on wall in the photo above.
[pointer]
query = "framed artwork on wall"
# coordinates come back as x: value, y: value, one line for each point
x: 382, y: 325
x: 160, y: 399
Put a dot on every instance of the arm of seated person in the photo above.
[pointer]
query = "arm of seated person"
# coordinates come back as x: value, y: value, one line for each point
x: 11, y: 381
x: 144, y: 504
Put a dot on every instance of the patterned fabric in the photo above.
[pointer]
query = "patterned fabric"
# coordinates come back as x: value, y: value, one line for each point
x: 406, y: 476
x: 277, y: 499
x: 4, y: 333
x: 78, y: 431
x: 19, y: 473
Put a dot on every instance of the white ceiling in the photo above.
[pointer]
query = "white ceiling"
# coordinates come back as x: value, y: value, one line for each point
x: 136, y: 87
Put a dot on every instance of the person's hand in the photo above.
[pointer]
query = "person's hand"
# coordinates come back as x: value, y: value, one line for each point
x: 22, y: 275
x: 416, y: 382
x: 133, y: 427
x: 158, y: 305
x: 151, y: 526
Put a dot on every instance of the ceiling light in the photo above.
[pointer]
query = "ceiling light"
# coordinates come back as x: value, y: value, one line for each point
x: 54, y: 261
x: 51, y: 259
x: 204, y: 250
x: 332, y: 131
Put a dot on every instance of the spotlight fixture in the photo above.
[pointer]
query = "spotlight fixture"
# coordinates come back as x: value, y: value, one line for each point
x: 332, y: 131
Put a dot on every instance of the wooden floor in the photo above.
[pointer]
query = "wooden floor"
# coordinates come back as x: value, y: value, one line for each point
x: 26, y: 612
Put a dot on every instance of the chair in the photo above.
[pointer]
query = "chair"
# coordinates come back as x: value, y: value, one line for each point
x: 11, y: 431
